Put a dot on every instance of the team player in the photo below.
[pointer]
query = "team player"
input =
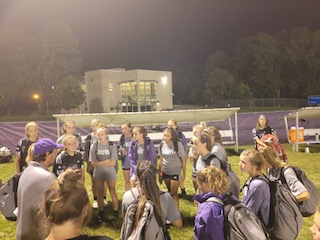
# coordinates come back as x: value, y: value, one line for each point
x: 89, y: 140
x: 124, y: 144
x: 104, y: 158
x: 141, y: 148
x: 69, y: 128
x: 69, y: 158
x: 31, y: 132
x: 172, y: 123
x: 172, y: 161
x: 256, y: 192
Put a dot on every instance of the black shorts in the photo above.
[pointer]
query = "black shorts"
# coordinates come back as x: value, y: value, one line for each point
x: 171, y: 177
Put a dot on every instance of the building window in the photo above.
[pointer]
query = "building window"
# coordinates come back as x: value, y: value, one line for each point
x: 110, y: 87
x: 129, y: 93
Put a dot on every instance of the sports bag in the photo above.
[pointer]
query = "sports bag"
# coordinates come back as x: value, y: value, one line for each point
x: 239, y: 222
x: 150, y: 225
x: 285, y: 219
x: 8, y: 197
x: 226, y: 167
x: 307, y: 207
x: 5, y: 155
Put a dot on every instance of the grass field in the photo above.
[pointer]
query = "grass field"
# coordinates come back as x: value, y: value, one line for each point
x: 309, y: 162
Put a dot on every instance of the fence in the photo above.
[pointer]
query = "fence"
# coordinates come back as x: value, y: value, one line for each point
x: 262, y: 102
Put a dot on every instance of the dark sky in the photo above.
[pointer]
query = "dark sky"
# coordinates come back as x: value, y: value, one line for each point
x: 159, y: 34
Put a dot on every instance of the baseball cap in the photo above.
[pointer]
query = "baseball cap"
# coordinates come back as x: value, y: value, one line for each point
x: 44, y: 145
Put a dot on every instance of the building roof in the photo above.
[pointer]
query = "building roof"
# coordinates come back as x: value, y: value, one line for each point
x: 151, y: 118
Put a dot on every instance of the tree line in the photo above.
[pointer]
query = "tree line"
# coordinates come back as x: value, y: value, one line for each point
x: 44, y: 68
x: 285, y: 64
x: 48, y: 68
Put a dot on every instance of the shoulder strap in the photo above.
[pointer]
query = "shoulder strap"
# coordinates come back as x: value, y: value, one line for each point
x: 215, y: 199
x: 160, y: 147
x: 176, y: 147
x: 260, y: 177
x: 210, y: 157
x: 95, y: 145
x: 134, y: 196
x: 122, y: 141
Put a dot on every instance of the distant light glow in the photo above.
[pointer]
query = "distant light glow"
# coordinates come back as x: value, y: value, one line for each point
x: 35, y: 96
x: 164, y: 80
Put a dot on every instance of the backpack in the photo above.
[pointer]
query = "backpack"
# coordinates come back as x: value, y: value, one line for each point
x: 150, y: 225
x: 5, y: 155
x: 226, y: 167
x: 239, y: 222
x: 307, y: 207
x: 285, y: 219
x: 8, y: 197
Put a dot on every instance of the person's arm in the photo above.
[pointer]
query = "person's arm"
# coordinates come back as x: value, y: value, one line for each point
x: 103, y: 163
x: 18, y: 159
x: 184, y: 171
x: 259, y: 142
x: 296, y: 187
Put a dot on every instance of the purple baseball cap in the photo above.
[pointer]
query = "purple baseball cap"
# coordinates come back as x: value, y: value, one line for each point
x: 44, y: 145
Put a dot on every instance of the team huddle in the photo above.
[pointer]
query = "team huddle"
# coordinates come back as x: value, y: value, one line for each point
x: 272, y: 205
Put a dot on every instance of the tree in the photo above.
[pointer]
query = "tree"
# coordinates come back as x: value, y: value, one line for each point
x: 188, y: 85
x: 222, y: 85
x: 68, y: 93
x: 300, y: 51
x: 16, y: 50
x: 59, y: 57
x: 257, y: 63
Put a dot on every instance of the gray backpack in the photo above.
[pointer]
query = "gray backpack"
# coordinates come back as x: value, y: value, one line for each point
x: 8, y: 197
x: 307, y: 207
x: 239, y: 222
x: 232, y: 176
x: 285, y: 219
x: 150, y: 225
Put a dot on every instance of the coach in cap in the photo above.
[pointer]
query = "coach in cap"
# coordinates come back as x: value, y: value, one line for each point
x: 33, y: 182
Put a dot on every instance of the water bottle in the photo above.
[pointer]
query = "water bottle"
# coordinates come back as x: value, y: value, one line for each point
x: 307, y: 150
x: 317, y: 137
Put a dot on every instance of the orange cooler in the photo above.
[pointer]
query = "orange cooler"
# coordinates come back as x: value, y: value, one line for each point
x: 300, y: 134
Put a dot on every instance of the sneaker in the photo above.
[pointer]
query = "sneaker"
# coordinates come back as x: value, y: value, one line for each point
x: 168, y: 224
x: 105, y: 202
x: 183, y: 193
x: 115, y: 215
x: 95, y: 204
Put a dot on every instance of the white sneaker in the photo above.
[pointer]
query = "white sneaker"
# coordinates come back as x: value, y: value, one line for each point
x: 95, y: 204
x: 105, y: 202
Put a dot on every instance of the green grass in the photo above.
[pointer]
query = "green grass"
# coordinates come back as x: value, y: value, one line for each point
x: 308, y: 162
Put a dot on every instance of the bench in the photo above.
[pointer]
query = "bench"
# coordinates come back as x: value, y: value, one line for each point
x: 309, y: 137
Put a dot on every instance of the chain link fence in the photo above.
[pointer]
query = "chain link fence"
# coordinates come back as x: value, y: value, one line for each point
x: 262, y: 102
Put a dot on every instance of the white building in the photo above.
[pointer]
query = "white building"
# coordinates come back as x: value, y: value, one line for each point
x: 118, y: 90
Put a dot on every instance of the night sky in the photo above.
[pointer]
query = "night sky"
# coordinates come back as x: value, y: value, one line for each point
x: 159, y: 34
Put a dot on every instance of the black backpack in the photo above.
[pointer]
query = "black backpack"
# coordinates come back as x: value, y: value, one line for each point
x: 239, y: 222
x: 8, y: 197
x: 226, y: 167
x: 307, y: 207
x: 285, y: 219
